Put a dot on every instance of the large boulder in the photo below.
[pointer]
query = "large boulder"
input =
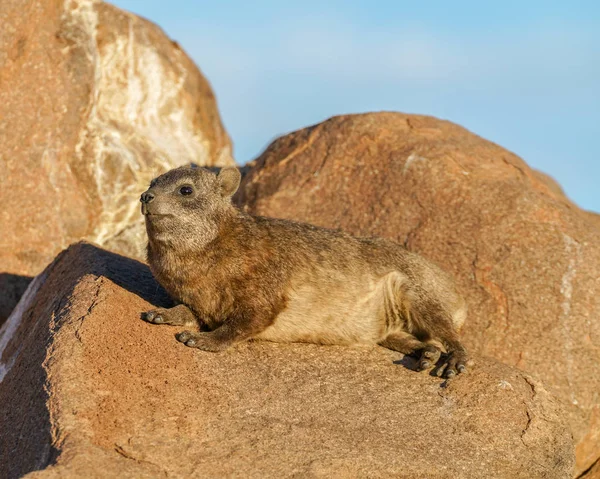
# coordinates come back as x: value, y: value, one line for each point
x: 94, y: 102
x: 525, y: 257
x: 90, y: 390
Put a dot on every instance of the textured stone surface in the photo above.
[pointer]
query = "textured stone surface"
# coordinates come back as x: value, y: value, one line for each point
x: 525, y: 257
x: 94, y: 102
x: 594, y: 218
x: 12, y: 287
x: 594, y: 472
x: 97, y: 392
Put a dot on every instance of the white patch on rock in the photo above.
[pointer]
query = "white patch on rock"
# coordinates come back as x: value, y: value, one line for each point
x: 56, y: 173
x: 138, y: 125
x: 566, y: 288
x: 410, y: 160
x: 13, y: 322
x: 573, y: 252
x: 502, y: 384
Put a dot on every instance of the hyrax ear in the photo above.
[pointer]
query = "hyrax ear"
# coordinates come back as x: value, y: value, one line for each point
x: 230, y: 178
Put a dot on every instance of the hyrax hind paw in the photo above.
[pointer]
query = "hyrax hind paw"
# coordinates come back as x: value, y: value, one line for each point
x: 454, y: 363
x: 177, y: 316
x: 185, y: 336
x: 204, y: 341
x: 154, y: 316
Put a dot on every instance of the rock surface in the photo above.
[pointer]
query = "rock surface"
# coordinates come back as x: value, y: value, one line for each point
x: 594, y: 472
x: 525, y: 257
x: 94, y: 102
x: 93, y: 390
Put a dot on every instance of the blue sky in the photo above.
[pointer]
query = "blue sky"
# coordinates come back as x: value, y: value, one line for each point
x: 525, y: 75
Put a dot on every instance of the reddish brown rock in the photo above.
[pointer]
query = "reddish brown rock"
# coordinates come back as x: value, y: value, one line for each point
x: 94, y: 102
x: 549, y: 181
x: 525, y: 257
x: 91, y: 390
x: 594, y: 218
x: 593, y: 473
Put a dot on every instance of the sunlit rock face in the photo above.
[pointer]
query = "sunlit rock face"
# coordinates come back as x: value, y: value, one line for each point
x: 524, y: 256
x: 94, y: 102
x: 97, y: 392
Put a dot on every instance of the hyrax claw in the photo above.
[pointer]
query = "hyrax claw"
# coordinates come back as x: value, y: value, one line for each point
x: 152, y: 317
x: 184, y: 336
x: 423, y: 365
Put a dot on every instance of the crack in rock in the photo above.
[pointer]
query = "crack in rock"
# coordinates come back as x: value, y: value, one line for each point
x: 123, y: 453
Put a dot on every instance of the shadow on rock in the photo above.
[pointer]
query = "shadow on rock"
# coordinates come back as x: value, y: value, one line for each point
x: 49, y: 305
x: 12, y: 287
x: 127, y: 273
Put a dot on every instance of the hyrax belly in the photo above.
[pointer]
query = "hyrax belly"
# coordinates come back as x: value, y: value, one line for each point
x: 349, y: 311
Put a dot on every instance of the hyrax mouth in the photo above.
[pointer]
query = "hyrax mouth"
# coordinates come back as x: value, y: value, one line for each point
x: 149, y: 214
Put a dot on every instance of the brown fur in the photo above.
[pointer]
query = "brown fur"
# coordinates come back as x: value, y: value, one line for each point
x: 245, y: 277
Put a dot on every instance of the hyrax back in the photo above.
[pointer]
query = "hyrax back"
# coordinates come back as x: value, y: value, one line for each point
x: 245, y: 277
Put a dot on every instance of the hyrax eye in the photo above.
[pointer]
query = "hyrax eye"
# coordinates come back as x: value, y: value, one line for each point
x: 186, y: 190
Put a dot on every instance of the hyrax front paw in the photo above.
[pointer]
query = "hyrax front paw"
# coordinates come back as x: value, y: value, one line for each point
x: 204, y: 341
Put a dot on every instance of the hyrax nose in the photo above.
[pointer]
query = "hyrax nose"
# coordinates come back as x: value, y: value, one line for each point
x: 147, y: 197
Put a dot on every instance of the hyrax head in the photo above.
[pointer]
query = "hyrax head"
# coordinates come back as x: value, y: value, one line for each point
x: 187, y: 199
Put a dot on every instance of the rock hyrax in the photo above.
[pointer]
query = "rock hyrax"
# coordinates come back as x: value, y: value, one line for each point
x: 240, y: 277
